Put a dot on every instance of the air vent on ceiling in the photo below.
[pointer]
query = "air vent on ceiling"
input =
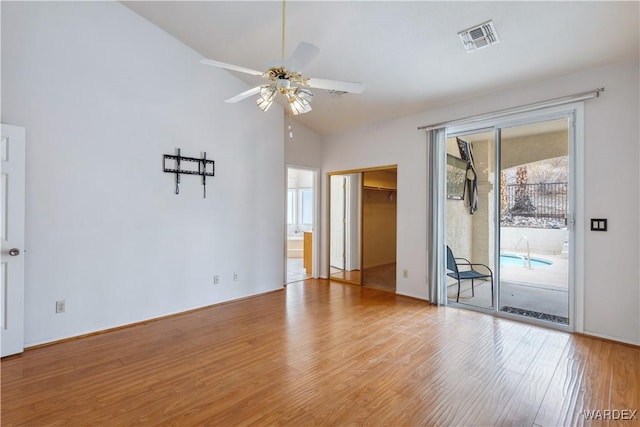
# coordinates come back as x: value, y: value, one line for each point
x: 479, y: 36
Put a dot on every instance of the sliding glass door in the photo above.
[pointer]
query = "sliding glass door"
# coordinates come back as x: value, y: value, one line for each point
x: 470, y: 217
x: 534, y: 201
x: 508, y: 216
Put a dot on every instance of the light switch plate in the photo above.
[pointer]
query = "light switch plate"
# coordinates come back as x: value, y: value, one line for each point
x: 598, y: 224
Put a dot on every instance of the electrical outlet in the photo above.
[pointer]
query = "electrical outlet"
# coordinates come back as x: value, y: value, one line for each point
x: 235, y: 277
x: 216, y: 279
x: 60, y: 307
x: 405, y: 274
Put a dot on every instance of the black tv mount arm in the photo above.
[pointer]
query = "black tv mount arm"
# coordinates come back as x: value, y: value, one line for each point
x: 205, y: 168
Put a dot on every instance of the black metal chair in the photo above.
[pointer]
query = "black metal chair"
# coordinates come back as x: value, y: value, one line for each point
x: 470, y: 274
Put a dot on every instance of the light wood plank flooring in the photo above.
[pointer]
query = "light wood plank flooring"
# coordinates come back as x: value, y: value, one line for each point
x: 345, y: 276
x: 321, y: 353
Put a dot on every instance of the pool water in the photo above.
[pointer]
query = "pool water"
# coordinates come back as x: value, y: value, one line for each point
x: 516, y: 261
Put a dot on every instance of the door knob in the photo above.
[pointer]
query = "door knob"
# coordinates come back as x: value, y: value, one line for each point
x: 14, y: 252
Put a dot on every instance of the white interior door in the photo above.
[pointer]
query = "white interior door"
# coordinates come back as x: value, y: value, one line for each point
x: 352, y: 221
x: 337, y: 213
x: 12, y: 220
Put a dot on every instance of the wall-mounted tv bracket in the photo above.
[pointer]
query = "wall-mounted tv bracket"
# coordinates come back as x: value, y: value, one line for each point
x: 205, y: 168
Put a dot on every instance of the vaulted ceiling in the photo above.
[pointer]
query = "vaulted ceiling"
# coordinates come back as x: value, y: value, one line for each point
x: 408, y: 54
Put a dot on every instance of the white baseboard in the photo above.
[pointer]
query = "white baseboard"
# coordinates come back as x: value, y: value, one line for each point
x: 611, y: 338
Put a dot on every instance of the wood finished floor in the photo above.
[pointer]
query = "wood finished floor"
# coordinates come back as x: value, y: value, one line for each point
x: 321, y: 353
x: 345, y: 276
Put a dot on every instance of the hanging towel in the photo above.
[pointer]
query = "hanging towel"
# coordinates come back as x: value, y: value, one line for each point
x: 471, y: 195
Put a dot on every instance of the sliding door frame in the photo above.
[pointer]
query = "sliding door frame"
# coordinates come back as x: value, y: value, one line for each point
x: 576, y: 222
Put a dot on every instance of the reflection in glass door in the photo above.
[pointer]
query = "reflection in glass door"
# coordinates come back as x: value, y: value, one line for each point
x: 344, y: 230
x: 534, y: 210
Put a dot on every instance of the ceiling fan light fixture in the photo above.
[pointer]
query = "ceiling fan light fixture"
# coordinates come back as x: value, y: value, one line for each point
x: 286, y: 79
x: 300, y: 100
x: 283, y: 84
x: 298, y: 107
x: 304, y: 93
x: 267, y: 95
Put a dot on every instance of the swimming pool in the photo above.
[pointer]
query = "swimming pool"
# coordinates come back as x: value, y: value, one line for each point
x: 509, y: 260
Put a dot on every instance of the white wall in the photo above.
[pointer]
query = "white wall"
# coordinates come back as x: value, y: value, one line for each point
x: 305, y: 148
x: 103, y: 94
x: 611, y: 275
x: 390, y: 143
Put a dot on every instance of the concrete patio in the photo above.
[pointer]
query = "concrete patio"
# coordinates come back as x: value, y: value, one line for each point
x: 541, y: 289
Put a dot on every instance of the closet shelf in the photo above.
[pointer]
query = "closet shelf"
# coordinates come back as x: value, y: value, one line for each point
x: 367, y: 187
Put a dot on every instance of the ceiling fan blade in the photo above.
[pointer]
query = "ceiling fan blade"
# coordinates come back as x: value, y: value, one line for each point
x: 336, y: 85
x: 244, y: 95
x: 302, y: 56
x: 231, y: 67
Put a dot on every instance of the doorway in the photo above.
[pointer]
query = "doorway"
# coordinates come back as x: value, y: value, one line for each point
x: 379, y: 224
x: 301, y: 217
x: 12, y: 190
x: 533, y: 212
x: 362, y: 227
x: 508, y: 212
x: 469, y: 215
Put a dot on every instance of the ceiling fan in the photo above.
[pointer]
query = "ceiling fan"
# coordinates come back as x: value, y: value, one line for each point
x: 285, y: 78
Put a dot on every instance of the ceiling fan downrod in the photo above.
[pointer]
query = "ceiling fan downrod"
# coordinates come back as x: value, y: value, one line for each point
x: 283, y: 28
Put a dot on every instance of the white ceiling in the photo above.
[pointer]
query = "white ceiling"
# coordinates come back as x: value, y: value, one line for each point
x: 407, y: 53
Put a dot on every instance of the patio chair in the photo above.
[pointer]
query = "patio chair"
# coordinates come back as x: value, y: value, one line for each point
x: 468, y: 274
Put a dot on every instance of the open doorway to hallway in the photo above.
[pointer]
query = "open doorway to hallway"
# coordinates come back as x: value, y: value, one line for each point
x: 300, y: 223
